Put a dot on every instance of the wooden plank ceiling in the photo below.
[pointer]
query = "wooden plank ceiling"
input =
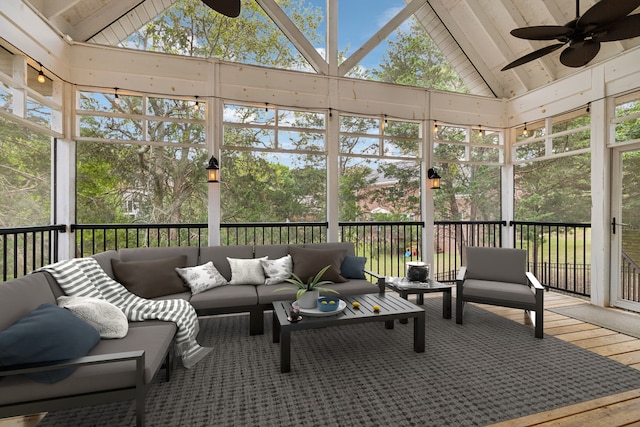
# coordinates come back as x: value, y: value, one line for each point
x: 473, y: 34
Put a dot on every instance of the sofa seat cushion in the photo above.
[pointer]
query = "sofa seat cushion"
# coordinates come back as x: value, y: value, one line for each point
x: 154, y: 339
x: 225, y: 296
x: 151, y: 278
x: 48, y: 333
x: 282, y: 291
x: 499, y: 291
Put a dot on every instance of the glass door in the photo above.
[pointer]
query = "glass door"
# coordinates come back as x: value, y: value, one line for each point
x: 625, y: 228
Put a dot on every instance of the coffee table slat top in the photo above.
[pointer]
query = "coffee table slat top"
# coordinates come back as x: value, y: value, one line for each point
x: 391, y: 306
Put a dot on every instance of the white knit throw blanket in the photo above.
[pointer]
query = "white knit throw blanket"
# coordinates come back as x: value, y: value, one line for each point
x: 85, y: 277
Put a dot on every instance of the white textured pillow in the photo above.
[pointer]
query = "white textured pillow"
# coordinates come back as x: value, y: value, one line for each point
x: 246, y: 271
x: 108, y: 319
x: 277, y: 270
x: 201, y: 277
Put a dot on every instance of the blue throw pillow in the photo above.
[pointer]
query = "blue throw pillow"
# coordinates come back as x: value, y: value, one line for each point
x: 47, y: 334
x: 353, y: 267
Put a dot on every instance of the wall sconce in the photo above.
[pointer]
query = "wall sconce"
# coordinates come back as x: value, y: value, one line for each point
x: 41, y: 77
x: 213, y: 170
x: 434, y: 179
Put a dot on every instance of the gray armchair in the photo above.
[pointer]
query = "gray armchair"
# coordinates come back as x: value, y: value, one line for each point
x: 499, y: 276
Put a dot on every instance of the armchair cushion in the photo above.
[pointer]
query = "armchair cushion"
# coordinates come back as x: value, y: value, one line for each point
x: 499, y: 291
x: 497, y: 264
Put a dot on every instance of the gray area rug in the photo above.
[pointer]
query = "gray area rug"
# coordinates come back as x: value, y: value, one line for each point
x: 490, y: 369
x: 616, y: 320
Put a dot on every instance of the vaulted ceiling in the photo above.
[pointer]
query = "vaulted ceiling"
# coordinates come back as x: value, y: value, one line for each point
x: 473, y: 34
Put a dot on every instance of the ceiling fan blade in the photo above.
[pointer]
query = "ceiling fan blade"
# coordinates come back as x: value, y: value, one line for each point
x: 543, y: 32
x: 626, y: 28
x: 579, y: 55
x: 533, y: 55
x: 230, y: 8
x: 606, y: 12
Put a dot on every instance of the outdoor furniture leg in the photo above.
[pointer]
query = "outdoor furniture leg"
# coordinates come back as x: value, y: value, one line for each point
x: 285, y: 349
x: 418, y: 333
x: 276, y: 328
x: 446, y: 304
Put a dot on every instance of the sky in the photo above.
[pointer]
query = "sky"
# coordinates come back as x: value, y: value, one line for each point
x: 358, y: 20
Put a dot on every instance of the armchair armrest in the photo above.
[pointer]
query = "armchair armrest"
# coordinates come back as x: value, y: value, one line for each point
x: 461, y: 274
x: 380, y: 280
x: 534, y: 281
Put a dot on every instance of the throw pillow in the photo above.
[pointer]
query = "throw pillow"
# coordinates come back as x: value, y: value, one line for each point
x: 246, y: 271
x: 353, y: 267
x: 47, y: 334
x: 277, y: 270
x: 308, y: 262
x: 202, y: 277
x: 109, y: 320
x: 153, y: 278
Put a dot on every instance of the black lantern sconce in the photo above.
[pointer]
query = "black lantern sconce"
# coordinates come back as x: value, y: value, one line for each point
x: 434, y: 179
x: 213, y: 170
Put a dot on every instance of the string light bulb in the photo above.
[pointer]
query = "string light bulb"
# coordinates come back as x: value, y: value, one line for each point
x: 525, y: 132
x: 197, y: 106
x: 41, y: 77
x: 588, y: 107
x: 435, y: 127
x: 480, y: 131
x: 116, y: 98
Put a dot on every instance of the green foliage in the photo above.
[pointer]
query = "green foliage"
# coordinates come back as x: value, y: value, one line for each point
x: 312, y: 284
x: 413, y: 59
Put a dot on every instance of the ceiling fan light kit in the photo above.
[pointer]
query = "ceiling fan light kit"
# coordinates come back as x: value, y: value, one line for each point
x: 230, y: 8
x: 605, y: 21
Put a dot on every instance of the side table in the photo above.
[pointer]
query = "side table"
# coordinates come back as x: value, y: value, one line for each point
x: 405, y: 288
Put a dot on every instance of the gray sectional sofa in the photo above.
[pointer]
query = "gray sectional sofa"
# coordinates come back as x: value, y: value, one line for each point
x: 122, y: 368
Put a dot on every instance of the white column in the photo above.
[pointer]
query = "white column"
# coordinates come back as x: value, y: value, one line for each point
x: 600, y: 195
x: 507, y: 192
x: 214, y: 116
x: 64, y: 173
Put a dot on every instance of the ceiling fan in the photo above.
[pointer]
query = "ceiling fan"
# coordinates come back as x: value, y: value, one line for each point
x: 605, y: 21
x: 230, y: 8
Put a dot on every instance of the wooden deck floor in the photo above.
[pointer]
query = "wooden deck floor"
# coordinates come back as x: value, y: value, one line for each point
x: 616, y: 410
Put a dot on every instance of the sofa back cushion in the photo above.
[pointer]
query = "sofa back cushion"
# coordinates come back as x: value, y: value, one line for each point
x: 497, y: 264
x: 18, y: 297
x: 272, y: 251
x: 146, y: 254
x: 219, y: 254
x: 348, y: 246
x: 307, y: 262
x: 104, y: 260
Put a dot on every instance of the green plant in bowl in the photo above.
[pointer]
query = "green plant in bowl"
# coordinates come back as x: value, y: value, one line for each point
x: 312, y: 284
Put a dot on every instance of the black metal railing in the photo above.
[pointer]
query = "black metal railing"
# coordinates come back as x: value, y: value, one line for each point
x: 451, y: 237
x: 25, y: 249
x: 629, y: 279
x: 559, y: 253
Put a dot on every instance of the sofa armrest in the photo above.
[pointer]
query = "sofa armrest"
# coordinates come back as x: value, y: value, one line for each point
x: 137, y: 355
x: 379, y: 279
x: 534, y: 281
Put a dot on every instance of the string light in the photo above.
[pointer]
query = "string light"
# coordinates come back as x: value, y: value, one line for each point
x: 588, y: 108
x: 435, y: 127
x: 116, y: 98
x: 525, y: 132
x: 480, y: 131
x: 41, y: 77
x: 197, y: 106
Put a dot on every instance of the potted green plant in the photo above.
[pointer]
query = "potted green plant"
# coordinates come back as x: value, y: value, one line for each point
x: 309, y: 291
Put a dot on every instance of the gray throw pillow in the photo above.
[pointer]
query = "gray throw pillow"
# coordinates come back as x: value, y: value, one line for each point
x: 151, y: 279
x: 308, y: 262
